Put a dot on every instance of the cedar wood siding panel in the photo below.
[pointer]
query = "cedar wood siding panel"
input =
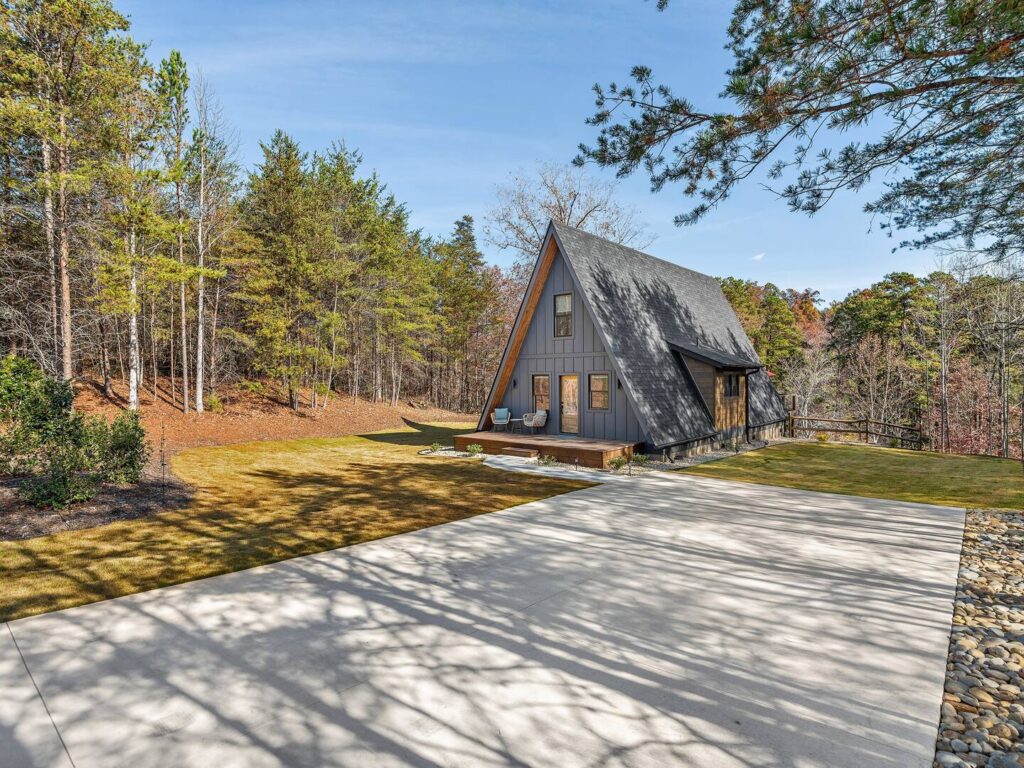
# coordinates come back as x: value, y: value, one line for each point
x: 581, y: 354
x: 730, y: 412
x: 704, y: 377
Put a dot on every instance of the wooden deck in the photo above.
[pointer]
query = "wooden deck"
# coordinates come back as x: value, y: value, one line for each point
x: 589, y: 453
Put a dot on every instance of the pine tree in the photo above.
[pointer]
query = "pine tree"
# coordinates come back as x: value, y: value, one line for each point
x: 172, y: 87
x: 63, y: 65
x: 932, y: 89
x: 461, y: 284
x: 275, y: 291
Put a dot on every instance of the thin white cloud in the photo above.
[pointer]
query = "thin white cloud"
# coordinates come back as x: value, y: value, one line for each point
x: 757, y: 257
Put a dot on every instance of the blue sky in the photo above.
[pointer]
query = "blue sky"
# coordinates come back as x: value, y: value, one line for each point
x: 444, y: 99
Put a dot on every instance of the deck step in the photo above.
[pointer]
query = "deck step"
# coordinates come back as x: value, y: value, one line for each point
x: 526, y: 453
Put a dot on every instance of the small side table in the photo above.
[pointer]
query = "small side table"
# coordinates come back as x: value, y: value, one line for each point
x: 514, y: 424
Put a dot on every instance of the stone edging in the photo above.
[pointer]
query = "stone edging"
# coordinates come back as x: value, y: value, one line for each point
x: 982, y: 713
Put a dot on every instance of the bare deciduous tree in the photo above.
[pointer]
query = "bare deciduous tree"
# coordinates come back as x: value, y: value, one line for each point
x: 566, y: 194
x: 211, y: 172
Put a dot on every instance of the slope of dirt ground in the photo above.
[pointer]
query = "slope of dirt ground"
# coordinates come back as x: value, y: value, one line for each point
x: 245, y: 417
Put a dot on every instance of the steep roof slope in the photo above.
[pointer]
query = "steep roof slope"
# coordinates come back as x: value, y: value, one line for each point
x: 642, y: 305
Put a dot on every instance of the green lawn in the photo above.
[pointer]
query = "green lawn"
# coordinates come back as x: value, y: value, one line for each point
x: 883, y: 473
x: 261, y: 502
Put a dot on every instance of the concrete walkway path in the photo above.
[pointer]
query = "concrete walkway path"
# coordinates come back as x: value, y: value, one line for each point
x: 676, y: 621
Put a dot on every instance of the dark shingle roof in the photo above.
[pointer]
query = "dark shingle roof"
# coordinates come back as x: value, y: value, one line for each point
x: 642, y: 305
x: 715, y: 357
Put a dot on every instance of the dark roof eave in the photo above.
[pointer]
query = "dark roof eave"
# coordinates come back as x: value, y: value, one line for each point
x: 720, y: 360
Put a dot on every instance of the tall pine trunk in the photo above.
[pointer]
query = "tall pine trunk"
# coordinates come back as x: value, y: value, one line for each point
x: 133, y: 327
x: 152, y: 340
x: 182, y: 308
x: 64, y: 251
x: 213, y: 336
x: 174, y: 372
x: 51, y: 252
x: 200, y: 284
x: 108, y: 384
x: 334, y: 349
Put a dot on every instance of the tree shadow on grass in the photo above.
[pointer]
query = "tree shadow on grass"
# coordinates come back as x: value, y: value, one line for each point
x: 424, y: 435
x: 273, y: 514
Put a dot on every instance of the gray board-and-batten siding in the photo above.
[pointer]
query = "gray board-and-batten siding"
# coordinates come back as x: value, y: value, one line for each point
x: 582, y: 353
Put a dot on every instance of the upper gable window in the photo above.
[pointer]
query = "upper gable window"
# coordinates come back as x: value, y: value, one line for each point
x: 563, y: 315
x: 732, y: 385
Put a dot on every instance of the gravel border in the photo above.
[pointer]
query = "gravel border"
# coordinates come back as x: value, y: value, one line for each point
x: 982, y: 713
x: 635, y: 470
x: 450, y: 453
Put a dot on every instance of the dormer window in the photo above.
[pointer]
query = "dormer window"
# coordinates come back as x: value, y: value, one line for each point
x: 563, y: 315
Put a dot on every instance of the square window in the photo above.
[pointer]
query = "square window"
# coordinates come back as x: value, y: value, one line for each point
x: 598, y: 385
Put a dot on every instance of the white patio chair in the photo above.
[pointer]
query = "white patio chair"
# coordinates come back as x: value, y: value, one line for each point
x: 536, y: 420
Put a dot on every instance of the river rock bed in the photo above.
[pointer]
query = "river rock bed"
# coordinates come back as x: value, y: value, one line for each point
x: 982, y: 713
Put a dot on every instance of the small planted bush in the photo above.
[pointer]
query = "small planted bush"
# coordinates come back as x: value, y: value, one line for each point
x: 65, y: 455
x: 215, y: 403
x: 435, y: 447
x: 821, y: 437
x: 547, y: 460
x: 641, y: 459
x: 474, y: 449
x: 125, y: 451
x: 618, y: 463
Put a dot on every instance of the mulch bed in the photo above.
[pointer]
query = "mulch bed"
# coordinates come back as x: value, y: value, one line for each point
x: 19, y: 520
x: 982, y: 714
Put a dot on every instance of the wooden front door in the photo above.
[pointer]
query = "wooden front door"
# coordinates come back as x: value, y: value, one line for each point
x: 569, y: 404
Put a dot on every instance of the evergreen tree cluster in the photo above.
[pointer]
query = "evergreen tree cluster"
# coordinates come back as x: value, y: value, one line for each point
x: 137, y: 250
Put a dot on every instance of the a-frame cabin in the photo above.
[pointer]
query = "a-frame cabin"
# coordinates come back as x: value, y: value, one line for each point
x: 617, y: 345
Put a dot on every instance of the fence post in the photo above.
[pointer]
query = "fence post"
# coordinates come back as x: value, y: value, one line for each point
x: 867, y: 430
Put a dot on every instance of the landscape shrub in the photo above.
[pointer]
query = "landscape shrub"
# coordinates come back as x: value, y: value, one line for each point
x: 215, y: 403
x: 435, y: 447
x: 641, y: 459
x: 821, y: 437
x: 474, y: 448
x: 62, y: 479
x: 618, y: 462
x: 125, y: 451
x: 65, y: 455
x: 19, y: 379
x: 252, y: 387
x: 547, y: 460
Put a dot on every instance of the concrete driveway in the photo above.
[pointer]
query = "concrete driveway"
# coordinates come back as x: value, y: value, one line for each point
x: 666, y: 622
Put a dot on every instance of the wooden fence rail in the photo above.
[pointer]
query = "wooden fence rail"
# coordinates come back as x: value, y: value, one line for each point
x: 866, y: 428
